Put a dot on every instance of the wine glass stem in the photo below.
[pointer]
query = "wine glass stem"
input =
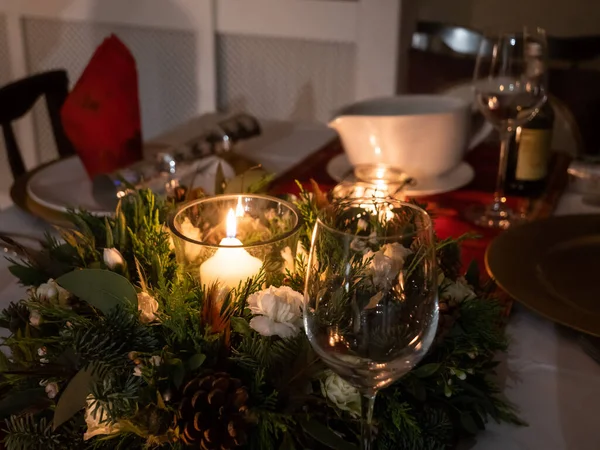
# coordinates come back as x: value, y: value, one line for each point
x: 367, y: 404
x: 499, y: 198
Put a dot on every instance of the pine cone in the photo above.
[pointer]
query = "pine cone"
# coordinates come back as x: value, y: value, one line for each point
x: 213, y: 412
x: 449, y: 312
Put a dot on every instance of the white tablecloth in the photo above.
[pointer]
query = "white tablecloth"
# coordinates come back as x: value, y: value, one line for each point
x: 555, y: 385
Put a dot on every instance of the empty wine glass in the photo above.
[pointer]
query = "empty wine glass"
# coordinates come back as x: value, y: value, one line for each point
x: 509, y: 91
x: 371, y: 306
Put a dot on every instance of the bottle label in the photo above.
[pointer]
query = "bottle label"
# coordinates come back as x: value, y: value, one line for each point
x: 532, y: 158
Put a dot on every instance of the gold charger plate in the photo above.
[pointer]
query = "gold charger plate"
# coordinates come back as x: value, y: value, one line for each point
x: 20, y: 197
x: 552, y: 266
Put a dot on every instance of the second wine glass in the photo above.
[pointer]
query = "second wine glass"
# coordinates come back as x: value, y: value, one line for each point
x: 510, y: 88
x: 371, y: 307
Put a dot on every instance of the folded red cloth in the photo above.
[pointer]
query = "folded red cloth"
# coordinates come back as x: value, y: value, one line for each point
x: 101, y: 115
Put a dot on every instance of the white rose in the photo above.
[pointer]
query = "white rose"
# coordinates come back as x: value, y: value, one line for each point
x: 277, y: 311
x: 341, y: 393
x: 52, y: 390
x: 147, y: 306
x: 35, y: 318
x: 137, y: 371
x: 113, y: 258
x: 93, y: 415
x: 362, y: 224
x: 386, y: 263
x: 52, y: 292
x: 191, y: 250
x: 458, y: 290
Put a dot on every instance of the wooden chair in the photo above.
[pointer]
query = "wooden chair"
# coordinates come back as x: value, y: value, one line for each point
x: 17, y: 98
x: 450, y: 39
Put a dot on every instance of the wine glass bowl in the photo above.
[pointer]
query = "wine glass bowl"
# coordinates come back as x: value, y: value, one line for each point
x: 371, y: 307
x: 510, y: 88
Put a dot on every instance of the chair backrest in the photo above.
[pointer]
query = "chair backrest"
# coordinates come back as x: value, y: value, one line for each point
x: 298, y: 59
x: 446, y: 38
x: 17, y: 98
x: 171, y: 40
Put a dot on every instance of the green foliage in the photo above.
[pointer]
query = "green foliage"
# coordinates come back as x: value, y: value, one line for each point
x: 36, y: 432
x: 135, y: 371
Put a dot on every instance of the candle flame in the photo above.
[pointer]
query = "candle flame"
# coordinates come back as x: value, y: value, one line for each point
x: 231, y: 224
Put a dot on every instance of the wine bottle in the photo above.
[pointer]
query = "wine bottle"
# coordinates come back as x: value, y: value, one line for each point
x: 529, y: 155
x: 529, y: 150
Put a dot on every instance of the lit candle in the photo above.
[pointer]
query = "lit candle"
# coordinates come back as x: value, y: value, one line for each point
x: 229, y: 266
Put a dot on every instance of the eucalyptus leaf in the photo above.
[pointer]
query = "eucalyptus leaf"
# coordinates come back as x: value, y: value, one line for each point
x: 196, y: 361
x: 178, y: 372
x: 325, y: 435
x: 426, y: 370
x: 241, y: 326
x: 73, y: 399
x: 18, y: 401
x: 102, y: 289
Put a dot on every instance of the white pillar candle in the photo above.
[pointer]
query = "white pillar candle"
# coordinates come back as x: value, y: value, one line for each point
x: 229, y: 266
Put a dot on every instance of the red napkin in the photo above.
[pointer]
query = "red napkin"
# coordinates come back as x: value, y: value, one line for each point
x: 101, y: 116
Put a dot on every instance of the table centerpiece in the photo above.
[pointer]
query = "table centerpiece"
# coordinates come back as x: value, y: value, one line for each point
x: 112, y: 347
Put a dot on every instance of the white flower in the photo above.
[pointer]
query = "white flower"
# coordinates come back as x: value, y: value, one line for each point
x: 35, y: 319
x: 277, y: 311
x: 191, y: 250
x: 113, y: 258
x: 341, y: 393
x: 137, y: 371
x: 42, y: 351
x: 288, y: 259
x: 155, y: 360
x: 386, y: 263
x: 147, y: 306
x: 52, y: 390
x: 52, y: 292
x: 94, y: 415
x: 362, y: 224
x: 458, y: 290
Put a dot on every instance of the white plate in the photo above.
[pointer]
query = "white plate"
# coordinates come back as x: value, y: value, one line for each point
x: 64, y: 185
x: 339, y: 169
x: 466, y: 93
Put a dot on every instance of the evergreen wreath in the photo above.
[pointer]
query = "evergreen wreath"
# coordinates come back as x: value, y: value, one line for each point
x: 112, y: 348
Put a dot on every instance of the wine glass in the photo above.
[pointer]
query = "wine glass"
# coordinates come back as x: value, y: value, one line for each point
x: 510, y: 89
x: 370, y: 303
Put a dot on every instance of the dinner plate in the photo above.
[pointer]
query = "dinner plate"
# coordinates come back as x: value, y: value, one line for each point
x: 552, y: 267
x: 65, y: 185
x: 339, y: 169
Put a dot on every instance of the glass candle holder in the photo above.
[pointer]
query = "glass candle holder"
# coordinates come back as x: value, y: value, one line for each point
x: 373, y: 181
x: 227, y: 239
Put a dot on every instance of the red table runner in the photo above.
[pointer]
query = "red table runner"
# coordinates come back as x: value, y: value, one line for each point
x: 446, y: 208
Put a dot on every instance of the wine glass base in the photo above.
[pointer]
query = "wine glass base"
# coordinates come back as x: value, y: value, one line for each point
x: 497, y: 217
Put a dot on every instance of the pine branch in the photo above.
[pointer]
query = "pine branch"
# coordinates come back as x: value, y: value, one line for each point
x: 35, y: 432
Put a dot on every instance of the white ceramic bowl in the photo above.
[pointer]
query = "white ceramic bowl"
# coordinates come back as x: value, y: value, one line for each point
x: 422, y: 135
